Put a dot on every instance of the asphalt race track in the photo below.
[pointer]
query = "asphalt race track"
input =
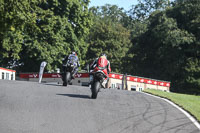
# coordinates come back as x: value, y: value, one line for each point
x: 30, y: 107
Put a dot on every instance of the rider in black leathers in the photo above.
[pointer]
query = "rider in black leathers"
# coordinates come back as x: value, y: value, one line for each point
x: 73, y: 56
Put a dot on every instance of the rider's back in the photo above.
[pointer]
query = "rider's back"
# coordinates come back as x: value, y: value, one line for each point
x: 102, y: 62
x: 73, y: 59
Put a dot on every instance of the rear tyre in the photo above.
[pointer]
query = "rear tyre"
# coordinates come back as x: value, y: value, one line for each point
x: 68, y: 77
x: 64, y: 83
x: 64, y: 79
x: 95, y: 89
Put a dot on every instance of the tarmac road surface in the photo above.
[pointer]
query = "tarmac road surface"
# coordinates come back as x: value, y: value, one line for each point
x: 30, y: 107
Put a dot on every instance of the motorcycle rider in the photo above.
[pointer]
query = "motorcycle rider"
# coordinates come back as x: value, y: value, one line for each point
x: 72, y: 58
x: 101, y: 63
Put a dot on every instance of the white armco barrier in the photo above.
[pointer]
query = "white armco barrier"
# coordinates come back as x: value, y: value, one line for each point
x: 42, y: 66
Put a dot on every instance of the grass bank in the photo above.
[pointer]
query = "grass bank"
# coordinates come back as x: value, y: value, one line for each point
x: 190, y: 103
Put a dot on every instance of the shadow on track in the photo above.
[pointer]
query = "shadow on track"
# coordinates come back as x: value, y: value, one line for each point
x: 53, y: 84
x: 75, y: 96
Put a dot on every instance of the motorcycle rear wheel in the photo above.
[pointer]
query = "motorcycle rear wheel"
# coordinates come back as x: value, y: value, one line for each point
x: 95, y: 89
x: 67, y: 79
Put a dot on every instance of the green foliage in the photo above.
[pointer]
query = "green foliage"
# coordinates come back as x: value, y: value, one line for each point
x: 35, y: 31
x: 13, y: 17
x: 187, y: 16
x: 144, y: 8
x: 108, y: 36
x: 169, y: 48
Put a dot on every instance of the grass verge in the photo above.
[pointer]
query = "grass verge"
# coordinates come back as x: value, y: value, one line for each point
x: 190, y: 103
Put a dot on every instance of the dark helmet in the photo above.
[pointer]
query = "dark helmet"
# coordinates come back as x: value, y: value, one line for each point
x: 103, y: 54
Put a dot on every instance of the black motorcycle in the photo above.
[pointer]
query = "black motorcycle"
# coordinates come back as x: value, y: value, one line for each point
x: 96, y: 78
x: 68, y: 71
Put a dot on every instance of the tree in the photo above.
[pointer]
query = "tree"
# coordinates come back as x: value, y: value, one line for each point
x: 169, y: 48
x: 14, y: 16
x: 46, y: 30
x: 144, y: 8
x: 187, y: 16
x: 108, y: 35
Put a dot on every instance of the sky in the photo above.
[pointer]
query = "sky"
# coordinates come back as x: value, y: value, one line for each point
x: 126, y: 4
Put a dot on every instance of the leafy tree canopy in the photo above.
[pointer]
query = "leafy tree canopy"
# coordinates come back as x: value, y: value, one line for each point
x: 108, y: 35
x: 34, y: 31
x: 169, y: 48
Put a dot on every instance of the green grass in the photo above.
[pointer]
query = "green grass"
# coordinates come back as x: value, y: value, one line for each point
x: 190, y: 103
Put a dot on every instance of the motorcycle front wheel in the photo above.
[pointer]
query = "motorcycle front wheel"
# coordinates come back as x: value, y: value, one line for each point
x: 95, y: 89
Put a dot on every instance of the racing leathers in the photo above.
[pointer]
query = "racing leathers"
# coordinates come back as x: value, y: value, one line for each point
x: 102, y: 64
x: 72, y: 58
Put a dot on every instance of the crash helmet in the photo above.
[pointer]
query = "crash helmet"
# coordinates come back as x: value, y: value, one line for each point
x: 74, y: 53
x: 103, y: 54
